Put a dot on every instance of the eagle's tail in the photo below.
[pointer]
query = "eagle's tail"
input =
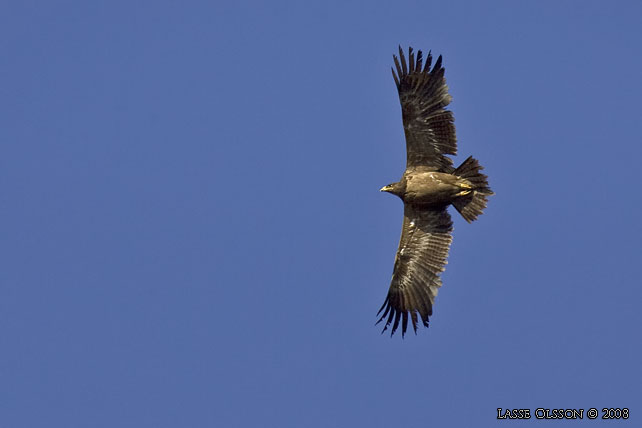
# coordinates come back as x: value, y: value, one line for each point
x: 472, y: 204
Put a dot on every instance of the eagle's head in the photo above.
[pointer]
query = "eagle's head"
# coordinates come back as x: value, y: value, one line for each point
x: 395, y: 188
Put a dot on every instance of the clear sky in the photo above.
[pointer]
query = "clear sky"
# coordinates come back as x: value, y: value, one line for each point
x: 193, y: 233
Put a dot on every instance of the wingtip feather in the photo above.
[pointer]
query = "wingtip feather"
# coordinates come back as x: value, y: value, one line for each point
x: 402, y: 58
x: 394, y: 76
x: 438, y: 63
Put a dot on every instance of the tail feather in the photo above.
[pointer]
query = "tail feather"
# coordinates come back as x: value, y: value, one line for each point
x: 472, y: 205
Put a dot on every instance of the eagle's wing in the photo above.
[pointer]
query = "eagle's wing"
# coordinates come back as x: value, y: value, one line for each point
x: 421, y: 257
x: 429, y: 127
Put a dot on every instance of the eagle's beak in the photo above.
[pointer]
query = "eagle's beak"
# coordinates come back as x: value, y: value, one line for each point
x: 385, y: 189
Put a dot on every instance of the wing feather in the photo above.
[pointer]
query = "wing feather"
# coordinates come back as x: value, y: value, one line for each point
x: 419, y: 58
x: 404, y: 67
x: 421, y: 257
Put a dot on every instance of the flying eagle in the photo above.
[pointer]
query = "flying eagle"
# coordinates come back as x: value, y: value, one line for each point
x: 428, y: 186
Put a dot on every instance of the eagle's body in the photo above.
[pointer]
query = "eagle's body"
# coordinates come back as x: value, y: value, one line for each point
x: 430, y: 189
x: 428, y: 186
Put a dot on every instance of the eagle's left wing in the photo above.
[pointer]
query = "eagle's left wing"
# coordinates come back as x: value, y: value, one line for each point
x: 428, y: 125
x: 421, y: 257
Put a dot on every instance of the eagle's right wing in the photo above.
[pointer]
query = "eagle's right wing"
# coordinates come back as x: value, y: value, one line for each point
x: 421, y: 257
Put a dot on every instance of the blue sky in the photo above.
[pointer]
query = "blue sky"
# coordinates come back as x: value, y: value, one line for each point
x: 194, y: 234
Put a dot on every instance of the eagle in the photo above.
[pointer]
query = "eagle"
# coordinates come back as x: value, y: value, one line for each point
x: 428, y: 186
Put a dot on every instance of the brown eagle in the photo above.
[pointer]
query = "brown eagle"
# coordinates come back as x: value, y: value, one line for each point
x: 428, y: 186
